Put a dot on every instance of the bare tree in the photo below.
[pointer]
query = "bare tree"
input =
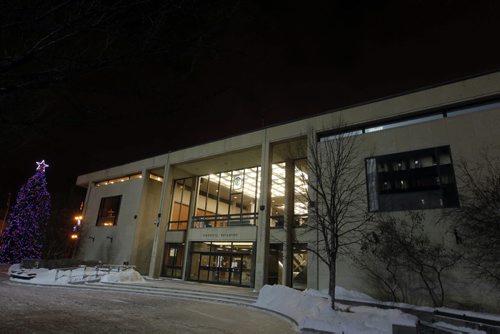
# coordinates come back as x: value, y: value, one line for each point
x: 398, y: 254
x: 337, y: 199
x: 477, y: 220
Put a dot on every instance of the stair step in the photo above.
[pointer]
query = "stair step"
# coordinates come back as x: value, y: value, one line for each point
x: 214, y: 297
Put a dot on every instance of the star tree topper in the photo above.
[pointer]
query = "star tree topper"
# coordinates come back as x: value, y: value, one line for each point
x: 41, y: 166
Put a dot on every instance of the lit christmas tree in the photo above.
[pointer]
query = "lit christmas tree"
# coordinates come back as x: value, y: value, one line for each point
x: 23, y: 237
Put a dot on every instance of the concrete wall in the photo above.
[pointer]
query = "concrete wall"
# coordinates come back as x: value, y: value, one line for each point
x: 145, y: 229
x: 466, y: 135
x: 123, y: 233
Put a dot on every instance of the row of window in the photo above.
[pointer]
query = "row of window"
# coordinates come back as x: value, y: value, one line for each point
x: 127, y: 178
x: 419, y: 179
x: 409, y: 120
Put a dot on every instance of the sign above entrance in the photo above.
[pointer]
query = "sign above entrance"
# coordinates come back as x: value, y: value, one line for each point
x: 247, y: 233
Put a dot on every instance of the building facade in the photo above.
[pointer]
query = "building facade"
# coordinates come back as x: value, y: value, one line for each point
x: 234, y: 211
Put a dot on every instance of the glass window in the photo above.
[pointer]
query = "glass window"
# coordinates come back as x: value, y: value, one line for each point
x: 227, y: 199
x: 108, y: 211
x: 411, y: 120
x: 421, y: 179
x: 181, y: 200
x: 299, y: 266
x: 173, y: 259
x: 278, y: 195
x: 275, y: 264
x: 300, y: 202
x: 222, y: 262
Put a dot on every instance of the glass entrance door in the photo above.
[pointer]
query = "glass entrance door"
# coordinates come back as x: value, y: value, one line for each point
x: 231, y: 264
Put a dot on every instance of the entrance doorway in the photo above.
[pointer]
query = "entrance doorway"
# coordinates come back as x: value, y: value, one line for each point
x: 222, y: 263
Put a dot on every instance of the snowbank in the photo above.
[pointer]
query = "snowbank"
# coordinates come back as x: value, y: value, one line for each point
x: 311, y: 309
x: 345, y: 294
x: 42, y: 276
x: 76, y: 275
x: 13, y: 268
x: 125, y: 276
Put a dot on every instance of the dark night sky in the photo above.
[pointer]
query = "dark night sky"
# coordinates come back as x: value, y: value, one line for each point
x: 274, y: 61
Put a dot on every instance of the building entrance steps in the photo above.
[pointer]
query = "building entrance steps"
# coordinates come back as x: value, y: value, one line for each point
x: 183, y: 290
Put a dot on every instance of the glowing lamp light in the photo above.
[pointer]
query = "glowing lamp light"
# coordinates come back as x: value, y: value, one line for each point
x: 74, y: 236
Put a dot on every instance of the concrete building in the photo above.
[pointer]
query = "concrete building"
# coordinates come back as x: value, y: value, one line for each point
x: 231, y: 211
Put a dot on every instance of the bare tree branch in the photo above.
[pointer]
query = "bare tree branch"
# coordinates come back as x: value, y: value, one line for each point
x: 337, y: 197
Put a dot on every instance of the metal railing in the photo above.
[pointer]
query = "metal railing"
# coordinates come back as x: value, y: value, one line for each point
x: 82, y: 274
x: 246, y: 219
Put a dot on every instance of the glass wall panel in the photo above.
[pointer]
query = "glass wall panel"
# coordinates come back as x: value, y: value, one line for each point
x: 222, y: 262
x: 181, y: 199
x: 421, y: 179
x: 227, y: 199
x: 299, y: 266
x: 300, y: 203
x: 275, y: 271
x: 173, y: 259
x: 278, y: 195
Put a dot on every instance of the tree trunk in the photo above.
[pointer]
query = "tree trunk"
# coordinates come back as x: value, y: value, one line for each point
x: 331, y: 285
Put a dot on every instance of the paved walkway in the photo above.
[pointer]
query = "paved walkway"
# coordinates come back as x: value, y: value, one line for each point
x: 40, y: 309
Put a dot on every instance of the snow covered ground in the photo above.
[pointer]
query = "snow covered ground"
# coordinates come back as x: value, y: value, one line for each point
x: 311, y: 310
x: 77, y: 275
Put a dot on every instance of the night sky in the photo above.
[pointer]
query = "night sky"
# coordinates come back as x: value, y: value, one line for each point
x: 267, y: 62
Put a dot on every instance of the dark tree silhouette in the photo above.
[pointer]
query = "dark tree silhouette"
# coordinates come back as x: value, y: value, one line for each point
x: 477, y: 220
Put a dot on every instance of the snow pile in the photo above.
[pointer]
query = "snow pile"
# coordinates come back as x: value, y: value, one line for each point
x: 341, y: 293
x: 311, y: 309
x: 125, y: 276
x: 76, y: 275
x: 43, y: 275
x: 14, y: 268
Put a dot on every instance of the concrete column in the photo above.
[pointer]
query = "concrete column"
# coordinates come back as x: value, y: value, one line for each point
x: 262, y: 254
x: 86, y: 227
x: 140, y: 223
x: 192, y: 211
x: 159, y: 234
x: 289, y: 222
x: 313, y: 261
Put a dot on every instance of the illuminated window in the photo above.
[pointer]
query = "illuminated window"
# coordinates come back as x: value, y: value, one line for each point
x: 119, y: 180
x: 421, y: 179
x: 300, y: 196
x: 181, y: 200
x: 108, y: 211
x: 277, y: 214
x: 423, y: 117
x: 227, y: 199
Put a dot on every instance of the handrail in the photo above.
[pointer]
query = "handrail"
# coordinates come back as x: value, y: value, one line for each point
x: 83, y: 274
